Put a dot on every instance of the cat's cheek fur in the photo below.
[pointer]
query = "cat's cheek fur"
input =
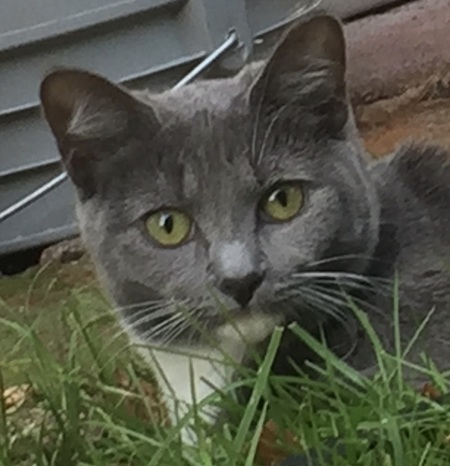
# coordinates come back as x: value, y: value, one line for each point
x: 303, y: 240
x: 153, y: 272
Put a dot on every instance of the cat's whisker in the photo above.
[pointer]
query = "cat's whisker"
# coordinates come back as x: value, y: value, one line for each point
x: 338, y: 296
x: 146, y: 315
x: 345, y: 289
x: 148, y: 319
x: 352, y: 289
x: 161, y: 329
x: 165, y: 338
x: 334, y: 259
x: 324, y: 294
x: 324, y: 303
x: 160, y: 308
x: 149, y: 315
x: 195, y: 330
x: 176, y: 324
x: 176, y: 331
x: 345, y: 284
x: 349, y: 283
x: 141, y: 304
x: 312, y: 301
x: 151, y: 320
x: 338, y: 276
x: 363, y: 304
x: 148, y: 308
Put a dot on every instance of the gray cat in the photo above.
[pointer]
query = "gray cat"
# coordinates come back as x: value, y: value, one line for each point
x: 220, y: 210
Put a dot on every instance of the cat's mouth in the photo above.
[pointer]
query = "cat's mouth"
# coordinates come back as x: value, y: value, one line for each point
x: 238, y: 325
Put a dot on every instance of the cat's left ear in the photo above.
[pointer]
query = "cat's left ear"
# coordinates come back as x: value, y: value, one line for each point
x: 305, y: 76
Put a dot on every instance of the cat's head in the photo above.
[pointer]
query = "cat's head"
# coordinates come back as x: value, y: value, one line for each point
x: 223, y: 201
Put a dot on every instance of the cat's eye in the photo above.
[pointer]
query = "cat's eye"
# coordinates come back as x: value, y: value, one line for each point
x: 169, y: 228
x: 283, y: 202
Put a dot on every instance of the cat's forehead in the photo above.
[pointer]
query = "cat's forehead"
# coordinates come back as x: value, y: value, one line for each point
x: 182, y: 172
x: 200, y: 156
x: 218, y: 97
x: 206, y: 128
x: 208, y: 155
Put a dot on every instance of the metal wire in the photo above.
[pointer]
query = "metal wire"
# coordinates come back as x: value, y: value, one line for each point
x: 231, y: 41
x: 30, y: 198
x: 298, y: 12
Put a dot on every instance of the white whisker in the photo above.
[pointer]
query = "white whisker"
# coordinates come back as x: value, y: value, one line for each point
x: 337, y: 276
x: 149, y: 315
x: 142, y: 304
x: 333, y: 259
x: 162, y: 328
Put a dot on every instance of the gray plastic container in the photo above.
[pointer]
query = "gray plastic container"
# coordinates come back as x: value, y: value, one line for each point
x: 142, y: 43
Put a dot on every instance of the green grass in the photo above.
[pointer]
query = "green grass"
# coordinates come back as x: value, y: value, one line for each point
x: 58, y: 335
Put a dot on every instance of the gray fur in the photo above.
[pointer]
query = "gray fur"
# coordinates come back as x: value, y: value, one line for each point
x: 212, y: 149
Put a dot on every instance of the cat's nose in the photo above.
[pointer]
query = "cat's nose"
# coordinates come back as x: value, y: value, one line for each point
x: 242, y: 289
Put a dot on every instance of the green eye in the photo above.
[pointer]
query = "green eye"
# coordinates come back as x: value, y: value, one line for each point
x: 284, y: 202
x: 169, y: 227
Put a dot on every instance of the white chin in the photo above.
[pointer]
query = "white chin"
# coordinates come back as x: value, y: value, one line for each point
x: 250, y: 329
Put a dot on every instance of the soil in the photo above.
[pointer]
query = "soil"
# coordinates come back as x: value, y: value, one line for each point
x: 386, y: 124
x: 391, y: 52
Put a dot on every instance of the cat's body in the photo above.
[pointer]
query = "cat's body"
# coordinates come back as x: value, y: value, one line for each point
x: 220, y: 210
x: 414, y: 190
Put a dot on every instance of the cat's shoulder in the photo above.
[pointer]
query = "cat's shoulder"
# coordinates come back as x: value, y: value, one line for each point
x: 420, y: 169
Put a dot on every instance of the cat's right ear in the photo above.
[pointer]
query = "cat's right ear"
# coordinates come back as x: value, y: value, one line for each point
x: 87, y: 113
